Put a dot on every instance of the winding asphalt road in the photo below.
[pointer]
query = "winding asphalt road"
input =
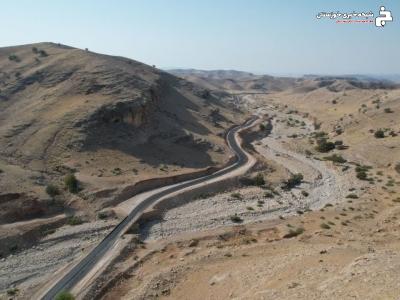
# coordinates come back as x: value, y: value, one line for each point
x: 79, y: 271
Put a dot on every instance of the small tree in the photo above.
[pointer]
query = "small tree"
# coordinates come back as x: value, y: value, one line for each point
x: 259, y: 180
x: 293, y: 181
x: 71, y: 183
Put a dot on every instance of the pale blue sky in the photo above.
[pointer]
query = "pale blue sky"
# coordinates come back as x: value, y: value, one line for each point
x: 274, y: 37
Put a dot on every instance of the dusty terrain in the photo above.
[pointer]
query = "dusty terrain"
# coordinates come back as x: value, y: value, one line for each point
x: 334, y: 235
x: 338, y: 241
x: 111, y: 121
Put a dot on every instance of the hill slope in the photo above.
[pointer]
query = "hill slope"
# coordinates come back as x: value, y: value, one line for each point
x: 112, y: 120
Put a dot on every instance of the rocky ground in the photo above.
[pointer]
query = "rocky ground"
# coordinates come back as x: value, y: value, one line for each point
x: 323, y: 184
x: 27, y: 269
x: 345, y: 247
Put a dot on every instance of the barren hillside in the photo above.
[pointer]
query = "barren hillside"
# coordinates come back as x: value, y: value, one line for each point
x: 110, y: 120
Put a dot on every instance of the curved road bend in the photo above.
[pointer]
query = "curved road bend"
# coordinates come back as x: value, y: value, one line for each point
x: 79, y: 271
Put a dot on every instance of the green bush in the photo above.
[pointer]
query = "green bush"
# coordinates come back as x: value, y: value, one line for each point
x: 323, y: 145
x: 293, y: 181
x: 52, y: 190
x: 325, y: 226
x: 259, y: 180
x: 352, y: 196
x: 236, y: 219
x: 379, y: 134
x: 71, y: 183
x: 65, y: 296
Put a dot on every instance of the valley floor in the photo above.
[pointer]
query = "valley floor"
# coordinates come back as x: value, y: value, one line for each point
x: 341, y: 240
x: 314, y: 241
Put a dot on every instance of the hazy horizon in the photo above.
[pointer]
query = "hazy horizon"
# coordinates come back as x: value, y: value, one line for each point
x: 277, y: 38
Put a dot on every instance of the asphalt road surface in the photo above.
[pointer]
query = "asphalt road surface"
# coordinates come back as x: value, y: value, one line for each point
x: 78, y: 272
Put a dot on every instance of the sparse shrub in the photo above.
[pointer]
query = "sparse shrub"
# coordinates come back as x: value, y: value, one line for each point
x: 35, y: 50
x: 362, y: 175
x: 236, y: 195
x: 14, y: 57
x: 379, y: 134
x: 323, y: 145
x: 294, y: 232
x: 325, y: 226
x: 361, y: 172
x: 71, y: 183
x: 257, y: 180
x: 293, y: 181
x: 262, y: 127
x: 48, y: 231
x: 74, y: 220
x: 65, y: 296
x: 336, y: 158
x: 320, y: 134
x: 339, y: 131
x: 102, y: 215
x: 268, y: 195
x: 388, y: 110
x: 52, y: 190
x: 43, y: 53
x: 12, y: 292
x: 352, y: 196
x: 236, y: 219
x: 304, y: 193
x: 249, y: 208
